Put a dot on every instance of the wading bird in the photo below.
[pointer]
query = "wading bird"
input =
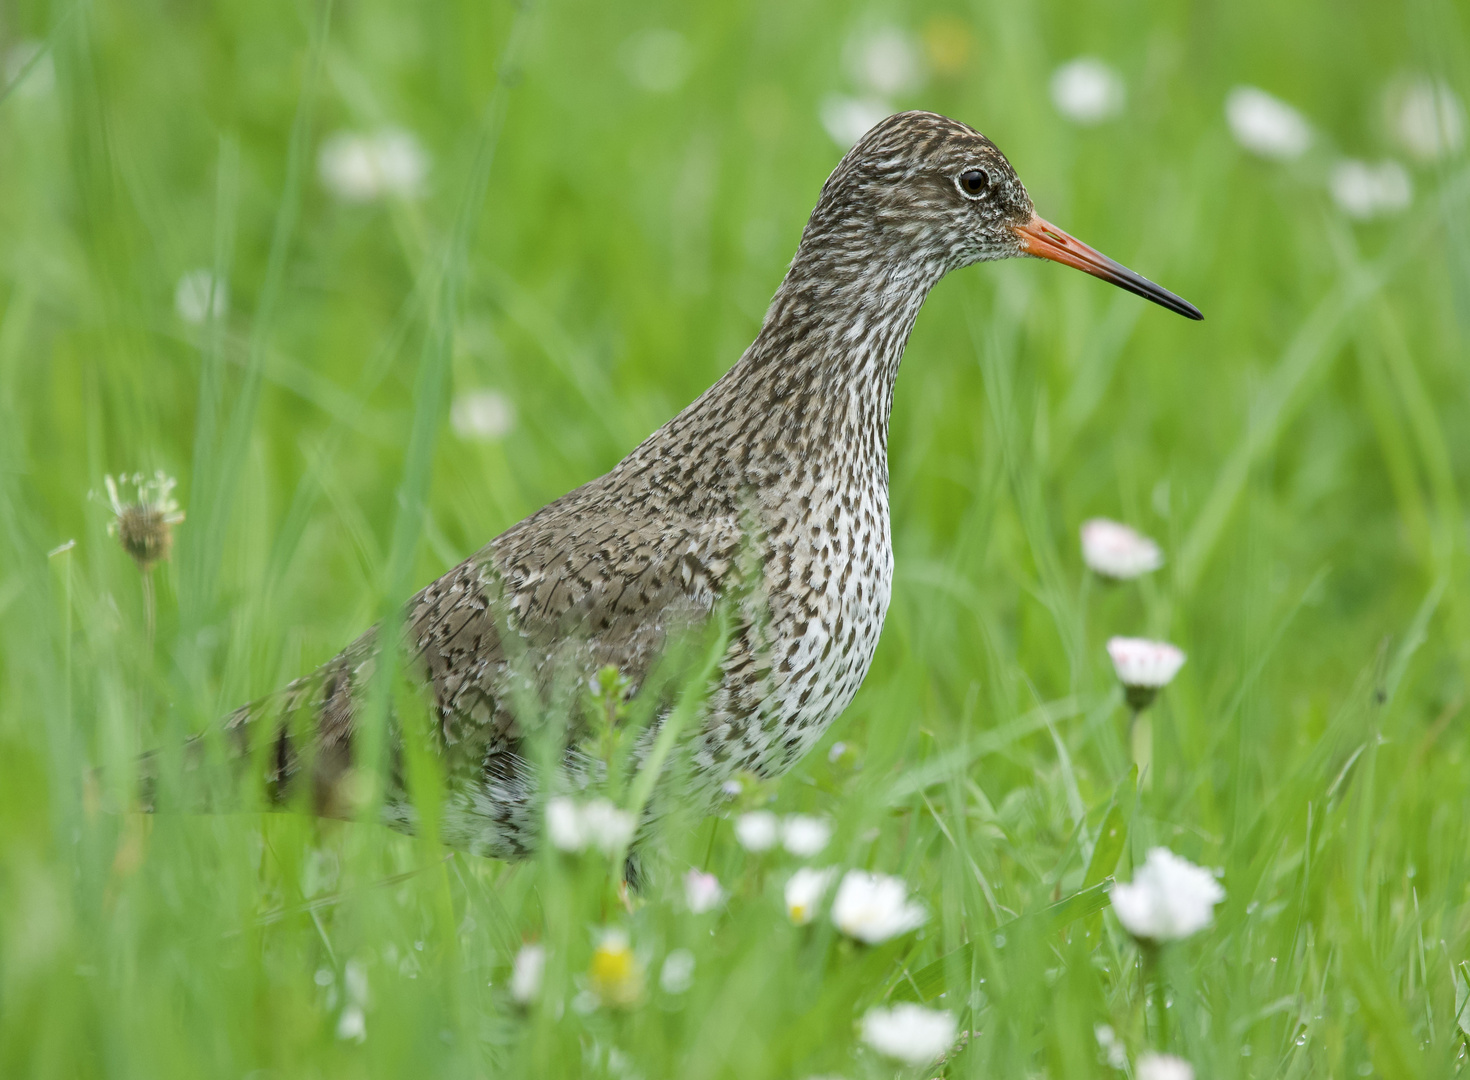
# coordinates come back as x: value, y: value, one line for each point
x: 768, y: 494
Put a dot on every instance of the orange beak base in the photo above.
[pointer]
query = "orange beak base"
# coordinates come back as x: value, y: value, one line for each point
x: 1044, y: 240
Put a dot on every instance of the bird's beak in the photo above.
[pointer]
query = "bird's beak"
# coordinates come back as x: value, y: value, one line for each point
x: 1044, y: 240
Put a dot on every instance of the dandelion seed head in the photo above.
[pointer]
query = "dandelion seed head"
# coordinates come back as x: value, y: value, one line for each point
x: 144, y: 514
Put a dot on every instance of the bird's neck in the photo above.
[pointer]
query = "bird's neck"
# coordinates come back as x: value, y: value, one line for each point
x: 822, y: 369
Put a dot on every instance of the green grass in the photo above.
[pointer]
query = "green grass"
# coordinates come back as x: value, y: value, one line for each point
x: 600, y: 254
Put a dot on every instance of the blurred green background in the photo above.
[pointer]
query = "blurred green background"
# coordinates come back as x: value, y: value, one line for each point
x: 466, y: 255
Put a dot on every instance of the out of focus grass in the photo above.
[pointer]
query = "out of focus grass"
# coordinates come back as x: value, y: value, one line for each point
x: 1299, y: 455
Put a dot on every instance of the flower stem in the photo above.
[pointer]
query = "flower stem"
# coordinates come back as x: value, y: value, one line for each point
x: 1141, y: 745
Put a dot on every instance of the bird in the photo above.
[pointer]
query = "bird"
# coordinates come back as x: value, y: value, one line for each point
x: 764, y: 502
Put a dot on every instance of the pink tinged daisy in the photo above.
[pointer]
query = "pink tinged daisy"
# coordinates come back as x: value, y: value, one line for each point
x: 702, y: 892
x: 1168, y: 899
x: 1144, y: 667
x: 875, y: 907
x: 910, y: 1033
x: 1266, y: 126
x: 1163, y: 1067
x: 804, y: 891
x: 1113, y: 550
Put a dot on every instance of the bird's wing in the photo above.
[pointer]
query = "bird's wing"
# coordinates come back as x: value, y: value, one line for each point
x: 561, y: 595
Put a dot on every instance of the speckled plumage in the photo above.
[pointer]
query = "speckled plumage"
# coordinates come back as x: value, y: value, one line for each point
x: 770, y: 489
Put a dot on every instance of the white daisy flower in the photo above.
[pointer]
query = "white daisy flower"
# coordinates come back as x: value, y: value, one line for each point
x: 804, y: 891
x: 1111, y: 1046
x: 910, y: 1033
x: 198, y: 296
x: 358, y: 167
x: 482, y: 416
x: 574, y: 826
x: 1087, y: 91
x: 1115, y: 551
x: 1162, y: 1067
x: 757, y: 830
x: 1265, y: 125
x: 615, y: 975
x: 1168, y: 899
x: 1363, y: 191
x: 526, y: 973
x: 847, y: 119
x: 804, y: 835
x: 885, y: 62
x: 352, y: 1025
x: 656, y: 59
x: 702, y: 892
x: 875, y: 907
x: 1144, y: 667
x: 1425, y: 117
x: 677, y: 974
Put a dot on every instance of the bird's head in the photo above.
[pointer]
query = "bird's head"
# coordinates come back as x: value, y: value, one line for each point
x: 935, y: 194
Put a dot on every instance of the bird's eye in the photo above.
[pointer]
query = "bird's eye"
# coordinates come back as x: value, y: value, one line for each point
x: 974, y: 181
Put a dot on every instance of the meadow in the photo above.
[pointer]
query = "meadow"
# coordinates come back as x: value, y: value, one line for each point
x: 374, y: 281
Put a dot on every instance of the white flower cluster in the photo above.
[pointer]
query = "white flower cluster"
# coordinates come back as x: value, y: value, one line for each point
x: 883, y: 62
x: 526, y: 973
x: 576, y: 826
x: 871, y: 908
x: 702, y: 892
x: 800, y: 834
x: 1364, y: 191
x: 1169, y: 898
x: 361, y: 168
